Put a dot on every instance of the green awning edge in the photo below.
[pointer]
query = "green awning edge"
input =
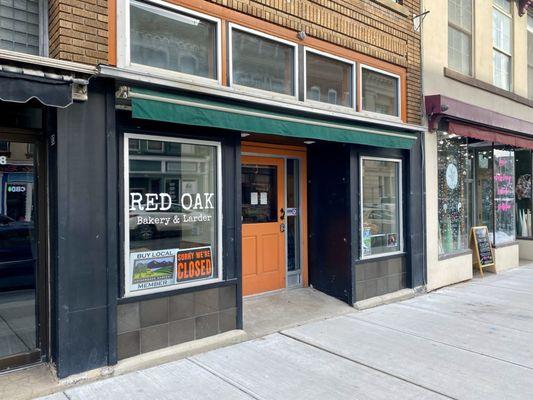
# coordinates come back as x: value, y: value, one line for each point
x: 181, y: 109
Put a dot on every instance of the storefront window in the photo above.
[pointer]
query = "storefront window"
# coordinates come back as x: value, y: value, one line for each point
x: 170, y: 40
x: 504, y: 198
x: 523, y: 192
x: 484, y: 176
x: 262, y: 63
x: 381, y: 210
x: 328, y: 80
x: 453, y: 191
x: 173, y: 203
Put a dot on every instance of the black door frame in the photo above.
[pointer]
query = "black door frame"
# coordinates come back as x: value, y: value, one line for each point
x: 42, y: 282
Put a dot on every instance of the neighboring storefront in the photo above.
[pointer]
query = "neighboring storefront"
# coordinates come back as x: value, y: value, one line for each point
x: 483, y: 179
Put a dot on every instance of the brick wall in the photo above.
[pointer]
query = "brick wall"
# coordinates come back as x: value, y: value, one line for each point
x: 378, y: 28
x: 78, y: 30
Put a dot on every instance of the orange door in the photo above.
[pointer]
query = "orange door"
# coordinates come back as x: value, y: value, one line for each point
x: 263, y: 237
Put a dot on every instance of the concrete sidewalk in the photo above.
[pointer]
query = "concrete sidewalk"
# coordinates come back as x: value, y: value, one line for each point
x: 469, y: 341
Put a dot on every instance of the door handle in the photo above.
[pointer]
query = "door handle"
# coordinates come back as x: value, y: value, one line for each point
x: 282, y: 211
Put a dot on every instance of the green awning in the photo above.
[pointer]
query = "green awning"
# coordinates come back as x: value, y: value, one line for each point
x: 188, y: 110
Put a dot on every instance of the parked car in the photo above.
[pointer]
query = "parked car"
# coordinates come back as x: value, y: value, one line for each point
x: 144, y: 225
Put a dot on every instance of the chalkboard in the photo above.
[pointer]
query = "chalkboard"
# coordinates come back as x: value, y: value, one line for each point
x: 480, y: 240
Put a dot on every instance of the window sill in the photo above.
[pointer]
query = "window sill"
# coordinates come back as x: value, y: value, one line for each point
x: 393, y: 6
x: 454, y: 255
x: 509, y: 244
x: 383, y: 257
x: 471, y: 81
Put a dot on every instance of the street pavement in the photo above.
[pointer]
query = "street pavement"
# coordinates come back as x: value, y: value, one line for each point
x: 470, y: 341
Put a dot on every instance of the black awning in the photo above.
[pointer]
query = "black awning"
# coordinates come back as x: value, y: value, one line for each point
x: 21, y: 88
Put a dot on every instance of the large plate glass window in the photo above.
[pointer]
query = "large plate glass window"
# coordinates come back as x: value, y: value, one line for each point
x: 171, y: 40
x: 504, y: 194
x: 328, y: 80
x: 381, y: 214
x: 173, y: 214
x: 263, y: 63
x: 454, y: 190
x: 460, y: 35
x: 523, y: 198
x: 502, y: 43
x: 380, y: 92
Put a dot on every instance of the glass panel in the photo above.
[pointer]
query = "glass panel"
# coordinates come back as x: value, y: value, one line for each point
x: 328, y: 80
x: 501, y: 31
x: 293, y: 215
x: 502, y: 70
x: 459, y: 51
x: 453, y: 193
x: 18, y: 251
x: 19, y: 26
x: 170, y: 40
x: 484, y: 189
x: 460, y: 13
x: 503, y: 4
x: 381, y: 207
x: 523, y: 192
x: 380, y: 92
x: 259, y: 194
x: 262, y: 63
x: 504, y: 199
x: 170, y: 213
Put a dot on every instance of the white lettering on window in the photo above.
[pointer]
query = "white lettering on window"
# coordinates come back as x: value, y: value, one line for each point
x: 136, y: 201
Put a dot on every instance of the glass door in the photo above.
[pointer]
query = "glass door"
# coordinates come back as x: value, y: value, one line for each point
x: 19, y: 338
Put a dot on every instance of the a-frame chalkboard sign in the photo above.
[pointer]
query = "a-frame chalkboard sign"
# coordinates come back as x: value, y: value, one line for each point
x: 480, y: 244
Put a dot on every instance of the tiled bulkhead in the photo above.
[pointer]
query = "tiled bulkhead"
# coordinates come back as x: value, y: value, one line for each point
x: 375, y: 278
x: 149, y: 325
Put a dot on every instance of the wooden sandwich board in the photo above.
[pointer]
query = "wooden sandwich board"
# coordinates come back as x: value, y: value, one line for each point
x: 482, y: 248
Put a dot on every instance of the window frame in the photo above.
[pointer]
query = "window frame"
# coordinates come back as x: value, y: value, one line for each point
x: 360, y: 94
x: 126, y: 270
x: 249, y: 90
x: 508, y: 14
x: 529, y: 32
x: 470, y: 34
x: 353, y: 64
x: 124, y: 42
x: 399, y: 162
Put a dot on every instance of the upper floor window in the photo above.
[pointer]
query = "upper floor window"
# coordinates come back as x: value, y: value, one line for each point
x: 171, y: 40
x: 329, y: 80
x: 530, y: 53
x: 502, y: 43
x: 261, y: 62
x: 380, y: 92
x: 460, y: 35
x: 23, y: 26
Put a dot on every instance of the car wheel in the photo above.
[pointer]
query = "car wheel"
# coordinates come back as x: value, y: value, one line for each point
x: 145, y: 232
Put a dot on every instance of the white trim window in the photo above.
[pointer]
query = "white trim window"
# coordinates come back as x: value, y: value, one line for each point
x: 24, y: 26
x: 166, y: 40
x: 381, y: 206
x: 530, y: 53
x: 173, y: 209
x: 502, y: 43
x: 460, y: 23
x: 264, y: 63
x: 380, y: 92
x: 329, y: 79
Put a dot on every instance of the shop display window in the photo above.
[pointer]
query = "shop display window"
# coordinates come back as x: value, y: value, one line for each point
x: 453, y: 191
x: 171, y: 40
x: 262, y: 63
x: 173, y: 214
x: 504, y: 197
x: 523, y: 192
x: 381, y: 213
x: 328, y: 80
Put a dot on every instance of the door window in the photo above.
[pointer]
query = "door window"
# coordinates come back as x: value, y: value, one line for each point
x: 259, y: 194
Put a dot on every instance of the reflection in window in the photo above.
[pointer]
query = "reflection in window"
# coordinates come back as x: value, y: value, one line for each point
x: 504, y: 198
x: 381, y: 211
x: 501, y: 43
x: 328, y: 80
x: 453, y: 193
x: 172, y: 208
x: 259, y: 194
x: 173, y: 41
x: 380, y: 92
x: 262, y: 63
x: 523, y: 192
x: 460, y: 35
